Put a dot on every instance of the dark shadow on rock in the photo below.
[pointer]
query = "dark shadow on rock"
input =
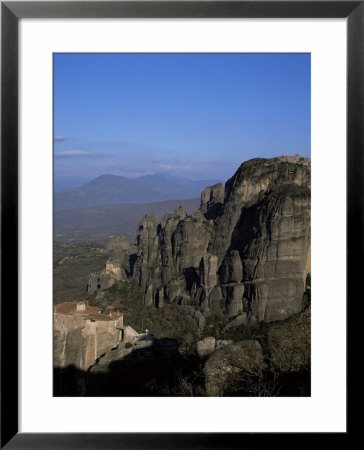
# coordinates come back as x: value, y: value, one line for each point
x: 191, y: 276
x: 157, y: 371
x: 150, y: 371
x: 69, y: 381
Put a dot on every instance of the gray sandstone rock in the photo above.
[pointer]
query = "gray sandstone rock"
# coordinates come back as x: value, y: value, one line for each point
x: 216, y: 301
x: 208, y: 271
x: 246, y: 251
x: 223, y: 342
x: 231, y: 268
x: 242, y: 319
x: 148, y: 296
x: 233, y: 294
x: 99, y: 281
x: 199, y: 319
x: 190, y: 241
x: 205, y: 347
x: 212, y: 199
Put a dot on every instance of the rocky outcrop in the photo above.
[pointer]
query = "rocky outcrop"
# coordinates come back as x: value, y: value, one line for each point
x: 231, y: 270
x: 147, y: 252
x: 99, y: 281
x: 241, y: 319
x: 189, y: 243
x: 205, y: 347
x: 233, y: 295
x: 120, y: 250
x: 212, y: 200
x: 117, y: 267
x: 196, y: 318
x: 223, y: 342
x: 244, y: 254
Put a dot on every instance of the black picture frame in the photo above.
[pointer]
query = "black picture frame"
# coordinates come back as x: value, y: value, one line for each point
x: 11, y: 12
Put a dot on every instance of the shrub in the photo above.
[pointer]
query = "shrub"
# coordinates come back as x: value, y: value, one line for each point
x: 257, y: 331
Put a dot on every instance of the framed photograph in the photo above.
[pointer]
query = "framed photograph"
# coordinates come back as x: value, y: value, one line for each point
x: 157, y: 221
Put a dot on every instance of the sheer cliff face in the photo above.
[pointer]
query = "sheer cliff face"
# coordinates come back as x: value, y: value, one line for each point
x: 244, y: 252
x: 78, y: 342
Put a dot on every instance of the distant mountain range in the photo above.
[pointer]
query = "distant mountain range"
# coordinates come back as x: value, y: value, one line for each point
x: 100, y: 223
x: 113, y: 189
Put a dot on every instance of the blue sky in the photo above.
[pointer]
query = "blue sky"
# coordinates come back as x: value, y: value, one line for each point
x: 193, y: 115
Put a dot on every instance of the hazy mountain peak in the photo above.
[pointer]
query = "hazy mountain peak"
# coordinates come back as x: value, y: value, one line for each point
x: 108, y: 189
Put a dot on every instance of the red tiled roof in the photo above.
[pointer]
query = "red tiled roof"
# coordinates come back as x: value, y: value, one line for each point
x: 65, y: 308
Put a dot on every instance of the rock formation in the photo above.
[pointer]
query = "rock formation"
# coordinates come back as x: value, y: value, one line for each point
x: 205, y: 347
x: 117, y: 268
x: 244, y: 255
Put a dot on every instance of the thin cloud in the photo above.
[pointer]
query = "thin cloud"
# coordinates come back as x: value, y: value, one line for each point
x: 178, y: 167
x: 193, y: 165
x: 141, y: 174
x: 71, y: 153
x: 78, y: 153
x: 58, y: 138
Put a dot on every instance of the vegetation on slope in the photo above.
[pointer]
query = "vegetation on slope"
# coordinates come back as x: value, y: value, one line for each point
x: 72, y: 265
x: 286, y: 344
